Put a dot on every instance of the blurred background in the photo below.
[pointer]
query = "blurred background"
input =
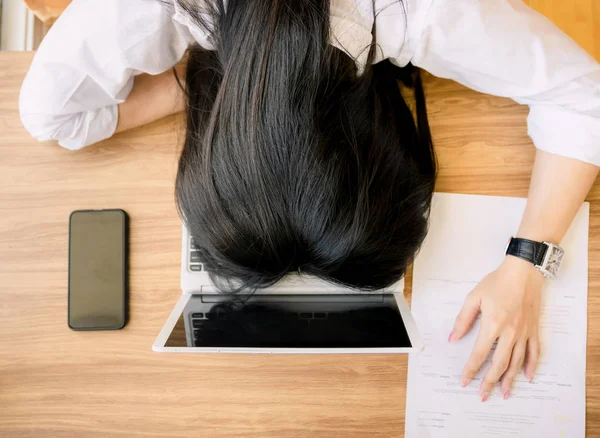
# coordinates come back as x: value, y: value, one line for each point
x: 23, y: 23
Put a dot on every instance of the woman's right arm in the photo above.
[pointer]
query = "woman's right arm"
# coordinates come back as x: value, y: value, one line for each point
x: 152, y: 98
x: 86, y: 81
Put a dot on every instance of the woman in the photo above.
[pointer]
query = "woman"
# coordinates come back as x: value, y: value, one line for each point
x: 300, y: 152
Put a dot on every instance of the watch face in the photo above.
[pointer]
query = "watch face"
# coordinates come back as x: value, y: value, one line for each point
x: 554, y: 260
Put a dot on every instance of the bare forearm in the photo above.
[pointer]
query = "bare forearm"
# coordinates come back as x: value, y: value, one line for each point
x: 152, y: 98
x: 558, y: 187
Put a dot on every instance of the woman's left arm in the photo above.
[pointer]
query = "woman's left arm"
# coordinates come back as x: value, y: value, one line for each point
x: 509, y: 298
x: 503, y: 48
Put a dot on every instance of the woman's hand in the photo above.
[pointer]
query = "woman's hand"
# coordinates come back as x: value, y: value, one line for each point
x: 509, y: 301
x: 509, y: 298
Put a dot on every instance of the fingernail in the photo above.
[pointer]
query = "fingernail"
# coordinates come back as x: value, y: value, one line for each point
x: 505, y: 394
x: 451, y: 337
x: 529, y: 377
x: 465, y: 382
x: 485, y: 396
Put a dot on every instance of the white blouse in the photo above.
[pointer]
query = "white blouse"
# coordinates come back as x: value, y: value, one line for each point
x: 86, y: 64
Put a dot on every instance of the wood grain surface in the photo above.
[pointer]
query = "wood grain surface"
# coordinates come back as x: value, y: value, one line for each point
x: 58, y: 383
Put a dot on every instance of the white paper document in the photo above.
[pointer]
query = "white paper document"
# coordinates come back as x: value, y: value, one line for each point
x: 466, y: 241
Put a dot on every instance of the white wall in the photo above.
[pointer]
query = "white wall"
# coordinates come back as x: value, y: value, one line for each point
x: 17, y: 26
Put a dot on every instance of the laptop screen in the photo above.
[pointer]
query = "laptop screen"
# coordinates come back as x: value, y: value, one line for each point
x: 291, y: 321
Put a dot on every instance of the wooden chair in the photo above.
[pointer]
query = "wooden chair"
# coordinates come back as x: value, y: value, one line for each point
x: 47, y: 10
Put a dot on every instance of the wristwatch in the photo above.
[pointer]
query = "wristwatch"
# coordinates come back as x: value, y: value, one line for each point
x: 546, y: 257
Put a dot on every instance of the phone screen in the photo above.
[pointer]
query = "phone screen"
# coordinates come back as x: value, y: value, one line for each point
x: 97, y: 269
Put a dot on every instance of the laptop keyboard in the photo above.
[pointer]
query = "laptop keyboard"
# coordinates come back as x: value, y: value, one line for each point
x: 196, y: 264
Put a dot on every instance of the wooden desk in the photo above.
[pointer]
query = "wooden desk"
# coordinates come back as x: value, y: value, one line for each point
x: 58, y: 383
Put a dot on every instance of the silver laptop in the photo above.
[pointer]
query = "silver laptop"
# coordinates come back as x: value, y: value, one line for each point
x: 300, y: 314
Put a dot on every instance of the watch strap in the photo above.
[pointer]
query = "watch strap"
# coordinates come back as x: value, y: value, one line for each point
x: 529, y: 250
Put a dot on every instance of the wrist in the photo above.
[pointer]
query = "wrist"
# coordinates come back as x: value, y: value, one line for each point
x: 539, y: 225
x: 520, y: 267
x: 538, y: 235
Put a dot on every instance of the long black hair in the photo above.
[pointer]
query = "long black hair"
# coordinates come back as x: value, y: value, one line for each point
x: 293, y: 161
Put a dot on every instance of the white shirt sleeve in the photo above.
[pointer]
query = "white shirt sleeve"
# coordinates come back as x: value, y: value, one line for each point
x: 86, y: 64
x: 502, y: 47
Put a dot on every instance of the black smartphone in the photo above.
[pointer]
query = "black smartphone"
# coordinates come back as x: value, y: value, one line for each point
x: 98, y: 269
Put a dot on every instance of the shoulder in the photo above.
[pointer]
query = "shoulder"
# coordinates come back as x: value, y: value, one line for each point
x: 398, y: 27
